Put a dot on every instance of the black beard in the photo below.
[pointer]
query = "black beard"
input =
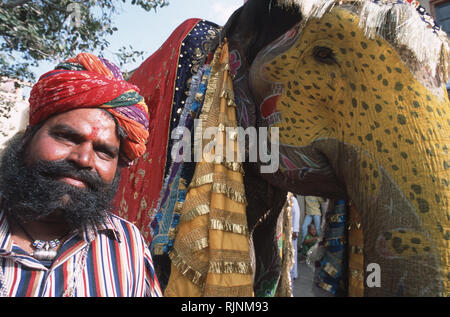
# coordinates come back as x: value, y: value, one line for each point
x: 34, y: 192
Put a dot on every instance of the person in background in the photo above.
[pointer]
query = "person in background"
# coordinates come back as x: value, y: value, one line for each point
x: 310, y: 240
x: 58, y: 236
x: 313, y: 213
x: 295, y: 231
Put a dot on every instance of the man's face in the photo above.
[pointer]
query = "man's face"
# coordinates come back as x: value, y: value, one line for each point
x: 68, y: 166
x: 86, y: 137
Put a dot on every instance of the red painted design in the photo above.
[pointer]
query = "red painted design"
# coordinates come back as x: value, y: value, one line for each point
x: 235, y: 61
x: 269, y: 105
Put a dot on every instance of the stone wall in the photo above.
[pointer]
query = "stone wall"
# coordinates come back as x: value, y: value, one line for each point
x: 13, y: 110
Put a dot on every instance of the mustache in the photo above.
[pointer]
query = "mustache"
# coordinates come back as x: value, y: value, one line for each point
x: 64, y: 168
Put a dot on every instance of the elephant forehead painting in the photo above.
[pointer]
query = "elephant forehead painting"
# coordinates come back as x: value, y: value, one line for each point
x: 373, y: 110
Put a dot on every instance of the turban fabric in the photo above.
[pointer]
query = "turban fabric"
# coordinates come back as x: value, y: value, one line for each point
x: 87, y: 81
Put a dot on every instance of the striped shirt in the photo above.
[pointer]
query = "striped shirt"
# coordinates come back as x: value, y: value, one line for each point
x: 110, y: 260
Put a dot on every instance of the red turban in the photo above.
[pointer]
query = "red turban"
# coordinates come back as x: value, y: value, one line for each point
x: 88, y: 81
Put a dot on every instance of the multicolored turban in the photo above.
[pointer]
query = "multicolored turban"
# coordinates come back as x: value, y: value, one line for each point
x: 88, y: 81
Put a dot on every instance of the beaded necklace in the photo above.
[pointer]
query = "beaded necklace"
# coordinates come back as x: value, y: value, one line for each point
x: 44, y: 250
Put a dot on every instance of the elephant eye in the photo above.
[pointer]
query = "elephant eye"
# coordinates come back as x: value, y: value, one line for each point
x: 324, y: 54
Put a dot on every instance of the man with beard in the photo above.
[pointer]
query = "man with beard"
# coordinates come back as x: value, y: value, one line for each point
x: 57, y: 182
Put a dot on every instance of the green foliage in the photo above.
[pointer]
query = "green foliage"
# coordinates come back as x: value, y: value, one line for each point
x: 32, y: 31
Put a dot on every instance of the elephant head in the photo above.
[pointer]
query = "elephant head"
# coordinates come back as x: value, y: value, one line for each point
x: 358, y: 94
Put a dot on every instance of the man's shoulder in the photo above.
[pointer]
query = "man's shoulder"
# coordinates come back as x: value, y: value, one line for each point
x: 122, y: 225
x: 117, y: 219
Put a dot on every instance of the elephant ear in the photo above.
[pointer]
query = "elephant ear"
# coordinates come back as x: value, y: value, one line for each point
x: 257, y: 23
x: 249, y: 29
x: 245, y: 105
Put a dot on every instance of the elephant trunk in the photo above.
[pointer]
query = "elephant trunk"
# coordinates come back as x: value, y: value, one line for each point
x: 397, y: 176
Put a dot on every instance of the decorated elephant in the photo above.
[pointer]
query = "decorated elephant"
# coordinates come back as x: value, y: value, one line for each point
x: 357, y: 92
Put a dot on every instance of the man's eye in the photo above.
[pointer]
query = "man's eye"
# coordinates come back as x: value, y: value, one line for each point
x: 105, y: 153
x: 62, y: 136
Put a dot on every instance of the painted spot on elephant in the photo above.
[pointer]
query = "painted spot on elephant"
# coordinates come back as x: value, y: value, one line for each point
x: 400, y: 243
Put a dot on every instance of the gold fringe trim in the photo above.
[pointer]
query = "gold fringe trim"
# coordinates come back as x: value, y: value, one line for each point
x: 231, y: 291
x: 234, y: 166
x: 191, y: 255
x: 199, y: 244
x: 178, y: 207
x: 227, y: 93
x: 230, y: 192
x: 213, y: 82
x: 158, y: 249
x: 225, y: 215
x: 357, y: 274
x: 203, y: 169
x: 196, y: 277
x: 202, y: 180
x: 357, y: 249
x: 194, y: 240
x: 325, y: 286
x: 172, y: 233
x: 354, y: 225
x: 226, y: 267
x: 224, y: 225
x: 193, y: 201
x: 199, y: 96
x: 330, y: 269
x: 223, y: 118
x: 231, y: 103
x: 211, y: 177
x: 335, y: 218
x: 195, y: 212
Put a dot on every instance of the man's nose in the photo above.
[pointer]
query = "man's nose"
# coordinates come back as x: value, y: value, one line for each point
x: 83, y: 155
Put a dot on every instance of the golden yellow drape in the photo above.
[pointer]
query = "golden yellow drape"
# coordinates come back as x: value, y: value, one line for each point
x: 211, y: 254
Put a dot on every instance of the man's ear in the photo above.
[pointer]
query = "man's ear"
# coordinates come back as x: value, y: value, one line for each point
x: 27, y: 136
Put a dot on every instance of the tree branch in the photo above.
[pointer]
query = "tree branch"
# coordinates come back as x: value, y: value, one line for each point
x: 13, y: 4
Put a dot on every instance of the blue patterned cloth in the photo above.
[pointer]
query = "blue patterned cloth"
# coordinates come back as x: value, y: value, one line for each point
x: 190, y: 80
x: 332, y: 267
x: 175, y: 185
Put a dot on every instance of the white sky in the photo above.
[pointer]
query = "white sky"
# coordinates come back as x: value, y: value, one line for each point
x: 146, y: 31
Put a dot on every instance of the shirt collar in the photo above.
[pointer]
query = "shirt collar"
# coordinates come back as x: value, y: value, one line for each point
x: 89, y: 234
x: 107, y: 226
x: 5, y: 235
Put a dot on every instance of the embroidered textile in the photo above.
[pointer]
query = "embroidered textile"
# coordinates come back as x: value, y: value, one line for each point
x: 332, y: 267
x: 164, y: 80
x: 174, y: 188
x: 216, y: 263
